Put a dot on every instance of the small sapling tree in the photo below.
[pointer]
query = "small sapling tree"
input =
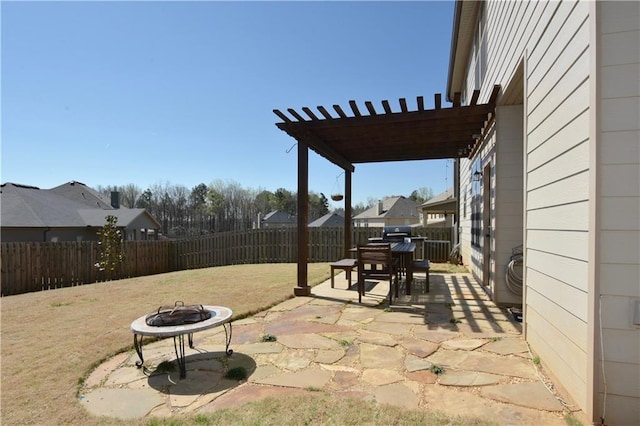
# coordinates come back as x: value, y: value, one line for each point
x: 111, y: 247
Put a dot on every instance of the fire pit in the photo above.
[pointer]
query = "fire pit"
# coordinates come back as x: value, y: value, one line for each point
x: 178, y: 321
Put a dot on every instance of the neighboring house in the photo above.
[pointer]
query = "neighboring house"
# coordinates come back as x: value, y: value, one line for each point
x: 328, y: 220
x: 389, y: 212
x: 557, y: 173
x: 277, y: 219
x: 439, y: 211
x: 69, y: 212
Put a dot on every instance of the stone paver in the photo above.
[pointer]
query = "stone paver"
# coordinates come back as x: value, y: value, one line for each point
x: 397, y: 394
x: 381, y: 376
x: 507, y: 346
x: 375, y: 356
x: 377, y: 338
x: 314, y: 378
x: 530, y: 394
x: 468, y: 378
x: 332, y: 343
x: 464, y: 344
x: 122, y: 403
x: 419, y: 348
x: 308, y: 341
x: 328, y: 356
x: 414, y: 363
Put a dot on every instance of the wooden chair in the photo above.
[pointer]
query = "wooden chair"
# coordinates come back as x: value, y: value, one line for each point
x: 375, y: 261
x: 423, y: 265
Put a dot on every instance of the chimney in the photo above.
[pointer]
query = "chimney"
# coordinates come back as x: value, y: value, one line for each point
x: 380, y: 209
x: 115, y: 199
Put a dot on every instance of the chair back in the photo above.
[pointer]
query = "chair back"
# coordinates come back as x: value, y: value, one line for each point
x: 374, y: 254
x: 375, y: 260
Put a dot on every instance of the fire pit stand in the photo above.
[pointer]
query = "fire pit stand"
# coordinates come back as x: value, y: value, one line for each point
x: 220, y: 315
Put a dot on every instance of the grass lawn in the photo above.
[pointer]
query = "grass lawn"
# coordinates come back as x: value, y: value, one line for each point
x: 51, y: 340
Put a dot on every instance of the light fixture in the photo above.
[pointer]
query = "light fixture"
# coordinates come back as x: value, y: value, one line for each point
x: 477, y: 176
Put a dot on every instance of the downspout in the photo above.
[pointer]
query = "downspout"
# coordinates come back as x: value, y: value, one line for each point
x: 45, y: 234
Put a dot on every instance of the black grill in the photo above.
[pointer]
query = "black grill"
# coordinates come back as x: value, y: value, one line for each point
x: 395, y: 233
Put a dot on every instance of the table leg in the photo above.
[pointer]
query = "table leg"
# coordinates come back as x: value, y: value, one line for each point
x: 137, y: 344
x: 409, y: 266
x: 178, y: 344
x: 227, y: 335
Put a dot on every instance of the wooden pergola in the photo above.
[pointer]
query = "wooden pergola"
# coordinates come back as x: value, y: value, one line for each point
x: 379, y: 136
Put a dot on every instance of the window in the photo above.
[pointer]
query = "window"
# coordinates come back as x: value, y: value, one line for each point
x: 476, y: 205
x: 480, y: 48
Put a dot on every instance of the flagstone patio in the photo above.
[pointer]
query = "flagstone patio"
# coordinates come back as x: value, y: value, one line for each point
x: 330, y: 343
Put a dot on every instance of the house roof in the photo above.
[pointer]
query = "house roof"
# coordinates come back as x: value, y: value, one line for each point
x: 329, y: 219
x: 79, y: 192
x: 278, y: 216
x: 392, y: 207
x: 386, y: 135
x: 31, y: 207
x: 444, y: 202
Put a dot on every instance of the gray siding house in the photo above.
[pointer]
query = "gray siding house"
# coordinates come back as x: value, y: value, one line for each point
x: 392, y: 211
x: 69, y: 212
x: 440, y: 210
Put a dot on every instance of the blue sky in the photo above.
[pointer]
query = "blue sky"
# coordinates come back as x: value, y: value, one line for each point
x: 111, y: 93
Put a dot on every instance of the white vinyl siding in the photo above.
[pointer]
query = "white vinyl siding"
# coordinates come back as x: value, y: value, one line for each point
x: 580, y: 189
x: 557, y: 149
x: 619, y: 206
x: 553, y: 37
x: 507, y: 230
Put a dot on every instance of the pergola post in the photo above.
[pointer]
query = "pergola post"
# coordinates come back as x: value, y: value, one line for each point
x: 303, y: 289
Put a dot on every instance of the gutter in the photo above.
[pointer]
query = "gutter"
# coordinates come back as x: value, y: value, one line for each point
x: 454, y: 46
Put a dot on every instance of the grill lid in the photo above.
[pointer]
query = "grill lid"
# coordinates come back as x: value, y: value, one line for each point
x: 395, y: 233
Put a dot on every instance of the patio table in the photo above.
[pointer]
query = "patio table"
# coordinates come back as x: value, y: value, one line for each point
x: 220, y: 315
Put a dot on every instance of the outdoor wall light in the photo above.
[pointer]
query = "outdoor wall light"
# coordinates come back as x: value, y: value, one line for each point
x: 477, y: 176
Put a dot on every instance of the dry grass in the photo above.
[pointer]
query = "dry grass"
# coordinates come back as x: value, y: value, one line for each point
x: 448, y: 268
x: 51, y: 340
x: 319, y: 408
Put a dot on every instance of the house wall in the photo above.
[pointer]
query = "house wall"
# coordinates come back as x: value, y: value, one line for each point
x: 72, y: 234
x: 617, y: 251
x: 22, y: 235
x: 581, y: 188
x: 25, y: 235
x: 552, y: 38
x: 507, y: 233
x: 471, y: 209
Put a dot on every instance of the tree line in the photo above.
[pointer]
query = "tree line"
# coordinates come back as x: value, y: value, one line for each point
x: 222, y: 205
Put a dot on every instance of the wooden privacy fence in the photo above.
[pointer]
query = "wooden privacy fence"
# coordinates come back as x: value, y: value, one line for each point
x: 280, y: 245
x: 28, y: 267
